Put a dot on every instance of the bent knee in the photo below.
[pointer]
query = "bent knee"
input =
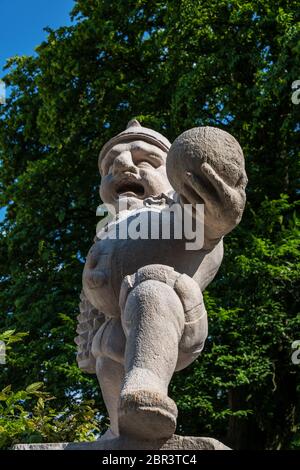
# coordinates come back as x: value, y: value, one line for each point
x: 153, y: 299
x: 185, y: 287
x: 161, y: 289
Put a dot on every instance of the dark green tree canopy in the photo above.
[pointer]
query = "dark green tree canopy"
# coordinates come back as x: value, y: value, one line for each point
x: 173, y: 65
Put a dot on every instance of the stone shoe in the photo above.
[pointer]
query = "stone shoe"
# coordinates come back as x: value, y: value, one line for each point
x: 147, y: 415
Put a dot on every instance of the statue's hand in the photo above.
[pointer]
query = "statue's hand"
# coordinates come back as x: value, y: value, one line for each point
x: 223, y: 204
x: 206, y: 165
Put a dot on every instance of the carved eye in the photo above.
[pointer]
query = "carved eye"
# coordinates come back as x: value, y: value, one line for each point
x: 149, y: 161
x: 145, y: 164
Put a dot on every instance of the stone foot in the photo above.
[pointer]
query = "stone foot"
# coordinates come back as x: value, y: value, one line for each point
x: 144, y: 414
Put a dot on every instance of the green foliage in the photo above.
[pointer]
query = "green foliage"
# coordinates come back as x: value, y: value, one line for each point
x: 172, y: 64
x: 27, y: 415
x: 43, y: 423
x: 9, y: 337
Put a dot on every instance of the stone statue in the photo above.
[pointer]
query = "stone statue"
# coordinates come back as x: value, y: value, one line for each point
x: 142, y: 311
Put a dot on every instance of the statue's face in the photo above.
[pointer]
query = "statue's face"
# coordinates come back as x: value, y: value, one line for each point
x: 133, y: 170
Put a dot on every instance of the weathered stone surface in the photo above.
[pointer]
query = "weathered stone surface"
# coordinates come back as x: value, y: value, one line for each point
x: 142, y: 311
x: 125, y: 443
x: 44, y: 446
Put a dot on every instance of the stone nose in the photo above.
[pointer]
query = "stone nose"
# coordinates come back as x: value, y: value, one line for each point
x: 123, y: 162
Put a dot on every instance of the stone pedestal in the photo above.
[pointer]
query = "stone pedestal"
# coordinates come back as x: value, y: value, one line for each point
x: 126, y: 443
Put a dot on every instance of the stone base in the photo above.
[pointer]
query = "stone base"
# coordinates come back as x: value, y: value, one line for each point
x: 125, y: 443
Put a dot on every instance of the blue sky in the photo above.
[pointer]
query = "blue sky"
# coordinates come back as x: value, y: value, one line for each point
x: 21, y: 27
x: 22, y: 23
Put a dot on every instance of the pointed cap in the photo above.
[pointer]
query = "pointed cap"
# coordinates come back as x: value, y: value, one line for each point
x: 134, y: 131
x: 133, y: 123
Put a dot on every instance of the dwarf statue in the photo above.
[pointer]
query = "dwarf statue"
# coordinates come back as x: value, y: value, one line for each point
x: 142, y: 311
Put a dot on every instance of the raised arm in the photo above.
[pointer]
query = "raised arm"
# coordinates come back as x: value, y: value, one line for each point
x: 205, y: 165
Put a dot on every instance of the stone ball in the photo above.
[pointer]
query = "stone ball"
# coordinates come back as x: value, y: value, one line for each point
x: 206, y: 144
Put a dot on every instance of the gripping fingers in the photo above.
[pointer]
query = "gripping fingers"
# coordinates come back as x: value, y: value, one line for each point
x: 232, y: 198
x: 218, y: 183
x: 197, y: 186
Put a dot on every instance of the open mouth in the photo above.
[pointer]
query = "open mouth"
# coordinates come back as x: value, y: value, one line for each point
x: 130, y: 187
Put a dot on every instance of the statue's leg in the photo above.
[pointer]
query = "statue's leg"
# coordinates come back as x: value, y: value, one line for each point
x: 110, y: 376
x: 108, y: 349
x: 153, y: 322
x: 165, y: 324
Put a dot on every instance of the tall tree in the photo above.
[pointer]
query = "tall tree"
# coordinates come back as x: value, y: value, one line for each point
x: 173, y: 65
